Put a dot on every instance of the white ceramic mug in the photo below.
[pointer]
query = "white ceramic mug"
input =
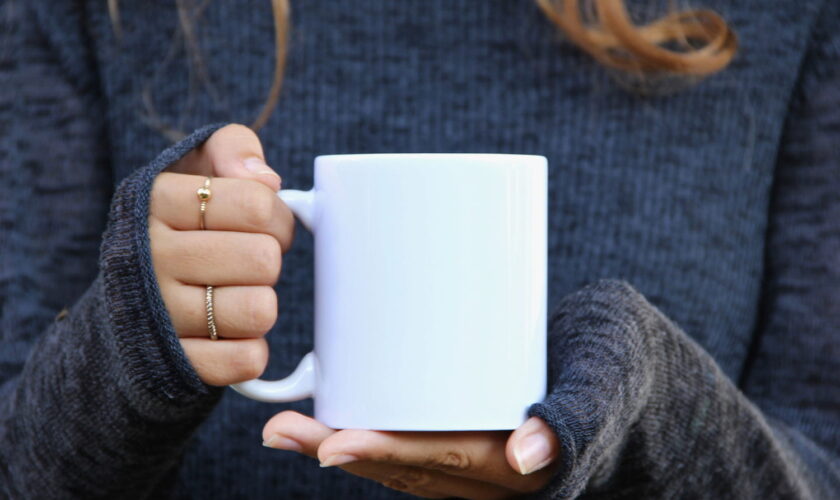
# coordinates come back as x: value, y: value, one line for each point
x: 430, y: 292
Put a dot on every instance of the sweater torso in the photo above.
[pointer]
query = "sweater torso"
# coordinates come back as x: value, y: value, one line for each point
x: 669, y: 192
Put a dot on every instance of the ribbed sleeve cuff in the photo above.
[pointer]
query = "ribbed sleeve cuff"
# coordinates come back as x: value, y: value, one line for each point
x: 642, y: 411
x: 155, y: 366
x: 601, y: 373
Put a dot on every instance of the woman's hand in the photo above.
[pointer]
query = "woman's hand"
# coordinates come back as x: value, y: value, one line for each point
x: 247, y: 229
x: 474, y: 465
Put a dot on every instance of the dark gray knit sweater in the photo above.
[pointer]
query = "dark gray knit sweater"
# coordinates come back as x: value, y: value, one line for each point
x: 706, y: 366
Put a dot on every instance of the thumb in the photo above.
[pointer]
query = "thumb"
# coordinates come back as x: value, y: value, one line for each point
x: 235, y: 151
x: 531, y: 447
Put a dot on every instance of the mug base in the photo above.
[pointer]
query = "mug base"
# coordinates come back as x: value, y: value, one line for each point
x: 497, y: 425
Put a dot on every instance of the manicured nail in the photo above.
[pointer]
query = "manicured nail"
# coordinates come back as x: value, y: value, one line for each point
x: 338, y: 460
x: 532, y: 453
x: 279, y: 442
x: 258, y: 166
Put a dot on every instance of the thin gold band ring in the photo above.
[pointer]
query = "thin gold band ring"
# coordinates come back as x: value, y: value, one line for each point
x: 204, y: 194
x: 211, y: 320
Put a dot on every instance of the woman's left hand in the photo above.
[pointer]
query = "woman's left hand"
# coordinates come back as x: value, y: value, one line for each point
x: 473, y: 465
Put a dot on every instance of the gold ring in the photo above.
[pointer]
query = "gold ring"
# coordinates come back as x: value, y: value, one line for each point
x: 211, y: 319
x: 204, y: 194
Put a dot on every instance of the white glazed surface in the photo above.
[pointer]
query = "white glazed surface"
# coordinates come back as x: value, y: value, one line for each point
x: 430, y: 291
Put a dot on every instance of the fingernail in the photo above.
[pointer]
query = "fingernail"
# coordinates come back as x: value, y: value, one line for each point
x: 532, y: 453
x: 279, y: 442
x: 257, y: 166
x: 338, y: 460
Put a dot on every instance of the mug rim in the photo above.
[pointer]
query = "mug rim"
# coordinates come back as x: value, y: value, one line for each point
x: 403, y: 156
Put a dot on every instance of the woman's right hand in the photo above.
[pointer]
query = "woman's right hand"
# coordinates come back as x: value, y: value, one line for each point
x: 247, y: 229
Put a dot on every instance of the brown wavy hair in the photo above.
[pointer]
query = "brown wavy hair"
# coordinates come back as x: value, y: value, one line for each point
x: 692, y: 43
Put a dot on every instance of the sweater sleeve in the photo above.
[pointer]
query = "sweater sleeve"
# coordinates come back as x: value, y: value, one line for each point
x: 642, y: 411
x: 99, y: 402
x: 794, y: 376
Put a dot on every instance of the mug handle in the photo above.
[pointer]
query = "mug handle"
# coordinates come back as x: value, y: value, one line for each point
x: 301, y: 383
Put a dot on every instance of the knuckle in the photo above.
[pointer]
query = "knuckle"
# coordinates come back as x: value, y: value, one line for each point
x: 235, y: 130
x: 266, y: 257
x: 238, y: 128
x: 453, y: 460
x: 413, y: 482
x: 261, y: 307
x: 284, y: 418
x: 413, y: 478
x: 251, y: 360
x: 258, y: 205
x: 287, y: 233
x: 395, y: 484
